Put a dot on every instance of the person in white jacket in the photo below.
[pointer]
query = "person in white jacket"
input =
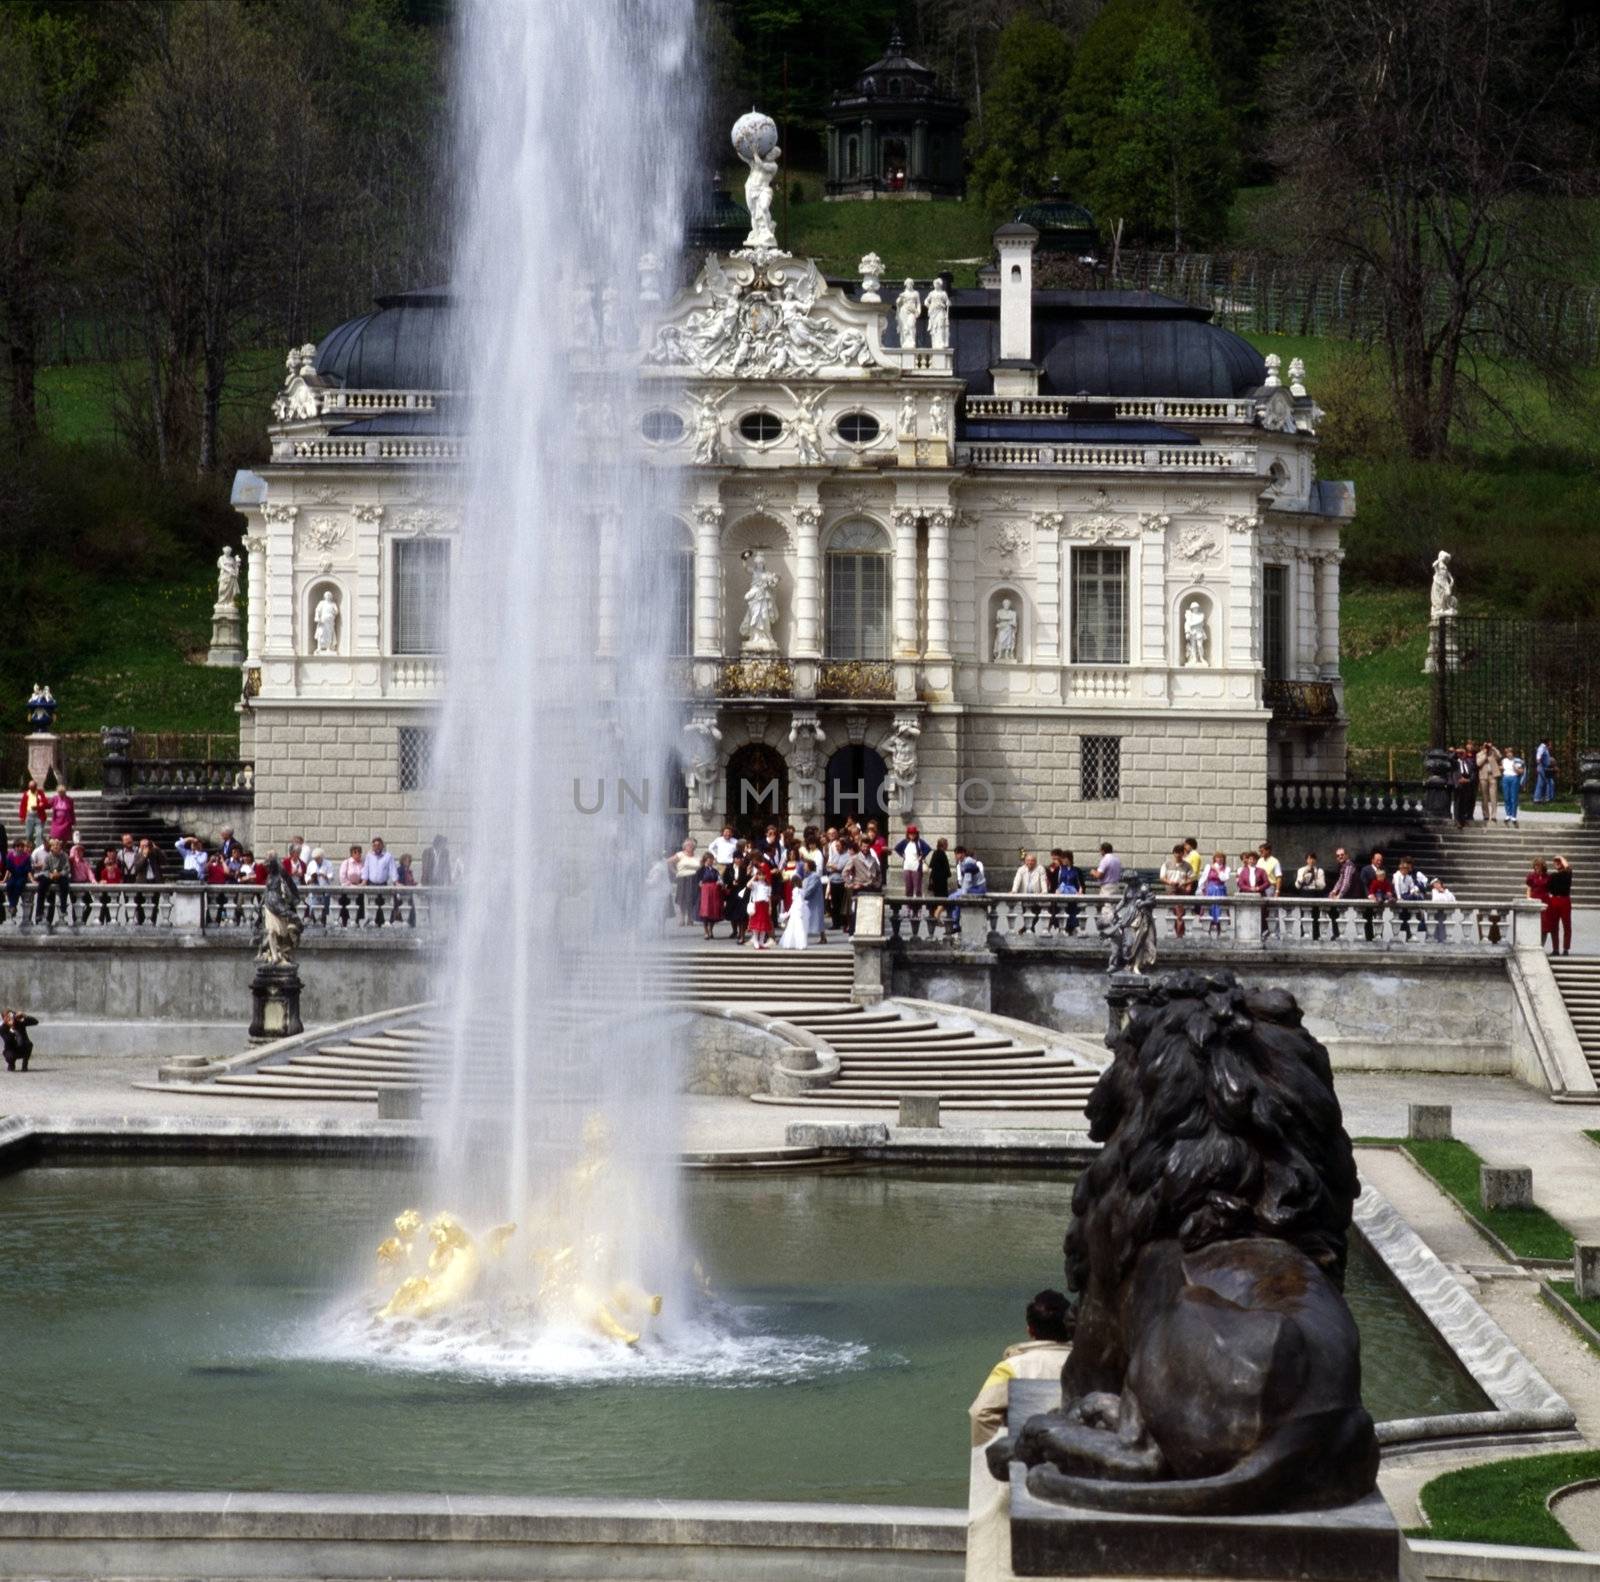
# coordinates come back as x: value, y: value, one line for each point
x: 1029, y: 879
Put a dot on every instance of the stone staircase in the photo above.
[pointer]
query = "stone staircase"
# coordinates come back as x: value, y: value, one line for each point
x: 1487, y: 864
x: 1578, y: 978
x: 884, y: 1052
x: 101, y: 824
x: 895, y: 1049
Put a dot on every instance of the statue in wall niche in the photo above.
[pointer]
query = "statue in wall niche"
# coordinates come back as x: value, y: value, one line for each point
x: 938, y: 419
x: 760, y: 621
x: 1005, y: 633
x: 907, y: 309
x: 908, y: 416
x: 807, y: 434
x: 228, y: 577
x: 938, y: 306
x: 755, y: 141
x: 280, y: 917
x: 1216, y: 1368
x: 1195, y: 633
x: 1442, y: 596
x: 325, y: 623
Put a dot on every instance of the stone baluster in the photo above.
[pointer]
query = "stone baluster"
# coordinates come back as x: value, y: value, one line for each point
x: 708, y: 582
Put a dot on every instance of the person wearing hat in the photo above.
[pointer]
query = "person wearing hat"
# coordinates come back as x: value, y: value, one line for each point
x: 913, y: 853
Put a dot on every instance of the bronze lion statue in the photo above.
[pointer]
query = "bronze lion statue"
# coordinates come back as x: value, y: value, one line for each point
x: 1216, y: 1368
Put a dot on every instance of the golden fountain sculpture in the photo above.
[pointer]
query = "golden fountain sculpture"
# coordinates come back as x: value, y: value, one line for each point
x: 573, y: 1268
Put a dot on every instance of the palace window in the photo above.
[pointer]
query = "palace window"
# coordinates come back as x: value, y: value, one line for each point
x: 1275, y: 622
x: 858, y: 428
x: 421, y: 595
x: 857, y: 570
x: 680, y: 590
x: 415, y: 761
x: 1099, y: 607
x: 662, y: 426
x: 761, y: 428
x: 1099, y: 768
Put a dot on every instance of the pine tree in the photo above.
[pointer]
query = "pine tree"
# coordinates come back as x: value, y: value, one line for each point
x: 1022, y: 140
x: 1099, y: 73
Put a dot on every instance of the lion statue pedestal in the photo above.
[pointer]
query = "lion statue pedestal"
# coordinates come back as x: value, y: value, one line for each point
x: 1209, y: 1421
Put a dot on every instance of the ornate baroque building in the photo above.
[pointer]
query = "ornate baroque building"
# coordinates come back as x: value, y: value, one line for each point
x: 1034, y: 568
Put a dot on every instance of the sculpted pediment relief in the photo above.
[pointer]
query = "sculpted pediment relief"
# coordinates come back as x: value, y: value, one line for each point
x: 748, y: 319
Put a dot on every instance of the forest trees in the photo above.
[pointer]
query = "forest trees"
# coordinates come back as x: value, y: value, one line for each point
x: 1446, y: 146
x: 1019, y: 143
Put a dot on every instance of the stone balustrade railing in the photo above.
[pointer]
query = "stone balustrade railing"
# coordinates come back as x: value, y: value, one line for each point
x: 1355, y: 801
x: 1102, y: 458
x: 227, y: 911
x: 1147, y: 408
x: 182, y: 778
x: 1200, y: 924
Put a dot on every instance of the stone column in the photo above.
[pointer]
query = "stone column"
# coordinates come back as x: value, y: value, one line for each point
x: 938, y: 584
x: 1329, y: 624
x: 905, y: 583
x: 1244, y: 603
x: 708, y: 582
x: 364, y: 623
x: 808, y: 577
x: 1046, y: 646
x: 1153, y: 641
x: 278, y: 585
x: 255, y: 548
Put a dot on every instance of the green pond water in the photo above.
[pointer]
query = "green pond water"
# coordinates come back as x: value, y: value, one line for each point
x: 168, y: 1327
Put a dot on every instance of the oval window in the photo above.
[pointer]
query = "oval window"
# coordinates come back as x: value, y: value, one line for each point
x: 662, y: 426
x: 858, y: 428
x: 761, y: 428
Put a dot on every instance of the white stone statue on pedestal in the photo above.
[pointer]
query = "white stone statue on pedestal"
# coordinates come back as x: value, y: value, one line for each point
x: 1441, y: 607
x: 908, y: 416
x: 907, y: 308
x: 227, y: 578
x: 325, y: 623
x: 755, y: 141
x: 757, y: 629
x: 1005, y: 633
x: 938, y: 419
x: 1195, y: 634
x: 938, y: 305
x: 1442, y: 599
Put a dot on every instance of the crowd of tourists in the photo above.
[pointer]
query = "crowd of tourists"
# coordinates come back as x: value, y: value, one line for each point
x: 1489, y: 780
x: 50, y: 876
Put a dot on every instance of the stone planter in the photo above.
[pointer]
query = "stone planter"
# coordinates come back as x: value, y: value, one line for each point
x: 1437, y: 766
x: 1589, y: 785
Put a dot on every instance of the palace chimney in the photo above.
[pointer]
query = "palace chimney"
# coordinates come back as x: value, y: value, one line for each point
x: 1016, y: 373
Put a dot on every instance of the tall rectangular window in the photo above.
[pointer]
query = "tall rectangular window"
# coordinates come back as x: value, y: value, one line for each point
x: 421, y: 594
x: 680, y: 638
x: 1275, y: 622
x: 858, y: 606
x: 1099, y: 606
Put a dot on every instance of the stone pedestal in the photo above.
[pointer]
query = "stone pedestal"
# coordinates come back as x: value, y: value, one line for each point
x: 920, y: 1110
x: 1123, y: 993
x: 1505, y: 1186
x: 1586, y: 1269
x: 1428, y: 1122
x: 1012, y: 1533
x: 1437, y: 767
x: 227, y: 641
x: 1444, y: 639
x: 44, y: 755
x: 275, y: 996
x: 1589, y: 786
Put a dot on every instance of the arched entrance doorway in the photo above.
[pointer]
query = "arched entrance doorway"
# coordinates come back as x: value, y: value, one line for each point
x: 855, y: 785
x: 758, y: 789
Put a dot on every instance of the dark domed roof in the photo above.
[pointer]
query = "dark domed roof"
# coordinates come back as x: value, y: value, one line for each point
x: 1109, y: 343
x: 1062, y: 226
x: 403, y: 344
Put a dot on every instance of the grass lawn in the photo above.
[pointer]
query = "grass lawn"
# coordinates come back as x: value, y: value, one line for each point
x: 1528, y: 1232
x: 918, y: 239
x: 1503, y: 1502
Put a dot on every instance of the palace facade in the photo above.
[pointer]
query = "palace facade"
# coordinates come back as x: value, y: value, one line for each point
x: 1040, y: 568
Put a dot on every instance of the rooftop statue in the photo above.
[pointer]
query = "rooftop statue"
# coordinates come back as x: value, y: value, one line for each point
x: 1216, y: 1368
x: 755, y: 141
